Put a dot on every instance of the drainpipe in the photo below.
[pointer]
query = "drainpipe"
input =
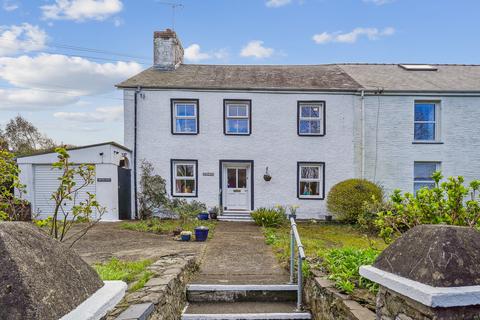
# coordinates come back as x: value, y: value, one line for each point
x: 135, y: 101
x: 362, y: 97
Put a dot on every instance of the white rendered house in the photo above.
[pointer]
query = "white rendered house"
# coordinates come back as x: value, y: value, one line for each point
x: 248, y: 136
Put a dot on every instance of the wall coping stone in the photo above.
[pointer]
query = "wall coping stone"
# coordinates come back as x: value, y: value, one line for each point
x: 425, y: 294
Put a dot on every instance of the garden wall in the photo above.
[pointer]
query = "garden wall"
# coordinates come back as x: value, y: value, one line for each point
x: 327, y: 303
x: 165, y: 290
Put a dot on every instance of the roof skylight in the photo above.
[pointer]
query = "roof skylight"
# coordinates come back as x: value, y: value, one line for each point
x: 418, y: 67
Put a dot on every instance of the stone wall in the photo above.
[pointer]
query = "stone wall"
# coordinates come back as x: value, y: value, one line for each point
x: 394, y: 306
x: 327, y: 303
x: 166, y: 289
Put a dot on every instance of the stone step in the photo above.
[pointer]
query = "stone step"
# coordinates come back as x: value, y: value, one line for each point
x: 235, y: 218
x: 243, y: 310
x: 241, y: 293
x: 236, y: 213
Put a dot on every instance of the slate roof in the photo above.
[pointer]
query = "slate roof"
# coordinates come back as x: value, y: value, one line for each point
x: 391, y: 77
x: 246, y: 77
x: 328, y: 77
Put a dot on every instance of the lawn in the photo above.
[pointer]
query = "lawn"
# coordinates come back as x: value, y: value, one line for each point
x: 132, y: 272
x: 168, y: 226
x: 333, y: 250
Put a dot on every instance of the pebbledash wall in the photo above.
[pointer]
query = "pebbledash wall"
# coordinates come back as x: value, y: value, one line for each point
x: 390, y: 152
x: 273, y: 143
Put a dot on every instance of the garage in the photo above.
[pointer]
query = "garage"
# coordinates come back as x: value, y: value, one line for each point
x: 112, y: 183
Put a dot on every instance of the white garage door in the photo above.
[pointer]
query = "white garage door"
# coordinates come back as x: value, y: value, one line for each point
x: 45, y: 183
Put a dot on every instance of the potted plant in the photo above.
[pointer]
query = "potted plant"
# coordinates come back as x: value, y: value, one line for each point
x: 201, y: 233
x: 328, y: 217
x: 202, y: 216
x: 213, y: 213
x: 185, y: 235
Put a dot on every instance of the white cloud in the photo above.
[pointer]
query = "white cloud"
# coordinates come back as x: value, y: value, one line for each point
x: 256, y: 49
x: 28, y: 99
x: 53, y: 79
x: 9, y: 5
x: 353, y: 36
x: 277, y: 3
x: 21, y: 38
x: 109, y: 114
x: 81, y: 10
x: 379, y: 2
x: 194, y: 53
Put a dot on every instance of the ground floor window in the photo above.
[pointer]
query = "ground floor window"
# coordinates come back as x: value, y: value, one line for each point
x: 311, y: 180
x: 422, y: 174
x: 184, y: 178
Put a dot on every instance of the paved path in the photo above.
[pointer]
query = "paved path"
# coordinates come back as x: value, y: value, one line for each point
x: 237, y: 254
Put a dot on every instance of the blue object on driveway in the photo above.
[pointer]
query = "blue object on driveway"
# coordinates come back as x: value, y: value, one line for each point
x: 201, y: 233
x: 185, y: 237
x: 203, y: 216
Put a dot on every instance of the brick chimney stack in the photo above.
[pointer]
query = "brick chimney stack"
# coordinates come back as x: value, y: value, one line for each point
x: 167, y: 50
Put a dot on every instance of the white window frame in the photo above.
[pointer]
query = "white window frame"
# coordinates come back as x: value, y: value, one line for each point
x: 228, y: 104
x: 177, y: 117
x: 437, y: 168
x: 175, y: 164
x: 320, y: 180
x: 436, y: 120
x: 320, y: 118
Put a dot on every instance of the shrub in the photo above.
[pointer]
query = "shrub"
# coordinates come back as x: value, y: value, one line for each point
x: 153, y: 193
x: 186, y: 210
x: 12, y: 205
x: 343, y: 265
x: 369, y: 214
x: 449, y: 202
x: 270, y: 217
x: 346, y: 198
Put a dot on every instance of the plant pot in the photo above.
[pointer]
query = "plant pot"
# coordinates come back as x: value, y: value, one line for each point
x: 185, y: 237
x: 202, y: 216
x: 201, y: 233
x: 213, y: 215
x: 328, y: 218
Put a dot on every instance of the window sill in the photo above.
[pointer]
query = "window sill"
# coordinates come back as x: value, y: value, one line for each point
x: 300, y: 198
x: 427, y: 142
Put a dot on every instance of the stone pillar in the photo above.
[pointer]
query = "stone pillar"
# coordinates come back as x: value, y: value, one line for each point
x: 430, y: 273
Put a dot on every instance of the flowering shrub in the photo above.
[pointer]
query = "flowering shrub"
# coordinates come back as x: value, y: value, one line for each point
x: 449, y: 202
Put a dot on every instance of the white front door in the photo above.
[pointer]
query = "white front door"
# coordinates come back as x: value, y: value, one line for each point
x: 236, y: 184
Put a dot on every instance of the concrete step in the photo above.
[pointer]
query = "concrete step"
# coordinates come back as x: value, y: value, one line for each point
x: 241, y: 293
x: 235, y: 218
x: 243, y: 310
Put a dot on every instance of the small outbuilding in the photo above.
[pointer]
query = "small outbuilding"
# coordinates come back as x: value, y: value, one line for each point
x: 112, y: 185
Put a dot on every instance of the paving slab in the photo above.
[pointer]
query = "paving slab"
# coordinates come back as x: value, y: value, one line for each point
x: 237, y: 254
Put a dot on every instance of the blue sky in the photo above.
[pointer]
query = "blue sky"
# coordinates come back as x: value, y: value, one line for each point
x: 60, y: 59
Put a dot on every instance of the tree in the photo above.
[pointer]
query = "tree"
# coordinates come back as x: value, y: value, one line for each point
x: 23, y: 138
x: 11, y: 205
x: 3, y: 141
x: 64, y: 217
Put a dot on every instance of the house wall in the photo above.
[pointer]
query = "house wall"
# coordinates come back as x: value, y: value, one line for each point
x: 390, y: 153
x: 105, y: 167
x: 274, y: 142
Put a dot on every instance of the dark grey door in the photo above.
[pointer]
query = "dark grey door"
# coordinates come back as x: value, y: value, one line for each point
x: 124, y: 194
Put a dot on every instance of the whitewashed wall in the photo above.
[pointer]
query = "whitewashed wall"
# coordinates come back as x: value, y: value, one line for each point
x: 274, y: 142
x: 390, y: 154
x: 105, y: 167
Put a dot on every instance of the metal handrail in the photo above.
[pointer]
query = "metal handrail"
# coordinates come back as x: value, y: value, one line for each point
x: 296, y: 241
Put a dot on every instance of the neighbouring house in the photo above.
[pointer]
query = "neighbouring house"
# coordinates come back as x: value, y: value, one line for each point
x: 247, y: 136
x: 112, y: 185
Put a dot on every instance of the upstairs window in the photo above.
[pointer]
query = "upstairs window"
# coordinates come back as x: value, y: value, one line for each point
x: 185, y: 117
x: 237, y: 117
x: 311, y: 118
x: 422, y: 175
x: 184, y: 178
x: 310, y: 180
x: 426, y: 124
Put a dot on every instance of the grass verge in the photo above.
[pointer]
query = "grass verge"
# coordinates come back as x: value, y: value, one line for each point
x: 164, y: 226
x: 132, y: 272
